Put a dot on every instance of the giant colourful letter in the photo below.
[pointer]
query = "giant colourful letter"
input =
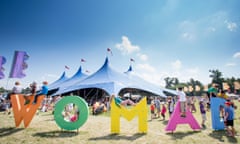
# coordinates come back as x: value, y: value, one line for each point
x: 140, y: 110
x: 176, y: 119
x: 24, y: 112
x: 217, y: 124
x: 82, y: 109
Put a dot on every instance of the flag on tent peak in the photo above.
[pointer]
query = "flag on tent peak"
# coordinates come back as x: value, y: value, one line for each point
x: 66, y: 67
x: 83, y: 60
x: 110, y: 51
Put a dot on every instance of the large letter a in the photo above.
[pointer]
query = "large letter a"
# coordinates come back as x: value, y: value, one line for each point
x: 176, y: 119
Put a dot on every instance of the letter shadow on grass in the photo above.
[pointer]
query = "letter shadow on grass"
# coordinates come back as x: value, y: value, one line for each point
x: 118, y: 137
x: 9, y: 131
x: 180, y: 135
x: 220, y: 134
x: 58, y: 134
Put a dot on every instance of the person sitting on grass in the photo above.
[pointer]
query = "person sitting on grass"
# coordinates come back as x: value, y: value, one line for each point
x: 119, y: 101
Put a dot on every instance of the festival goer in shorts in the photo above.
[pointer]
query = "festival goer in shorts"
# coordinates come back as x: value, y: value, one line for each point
x: 229, y: 118
x: 203, y: 112
x: 157, y: 106
x: 170, y: 105
x: 182, y: 100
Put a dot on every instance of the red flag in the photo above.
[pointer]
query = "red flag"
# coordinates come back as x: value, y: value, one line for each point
x: 83, y: 60
x: 109, y: 50
x: 132, y: 60
x: 66, y: 67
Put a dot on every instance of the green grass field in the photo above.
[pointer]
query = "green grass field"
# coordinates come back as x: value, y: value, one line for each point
x: 43, y: 129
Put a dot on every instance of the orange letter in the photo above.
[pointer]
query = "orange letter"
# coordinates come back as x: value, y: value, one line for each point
x: 24, y: 112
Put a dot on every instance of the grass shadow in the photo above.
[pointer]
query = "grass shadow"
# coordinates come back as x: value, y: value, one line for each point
x: 118, y: 137
x: 165, y: 122
x: 57, y: 134
x: 9, y: 131
x: 220, y: 134
x: 180, y: 135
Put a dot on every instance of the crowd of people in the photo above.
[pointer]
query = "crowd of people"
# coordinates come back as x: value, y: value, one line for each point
x: 158, y: 106
x: 5, y: 99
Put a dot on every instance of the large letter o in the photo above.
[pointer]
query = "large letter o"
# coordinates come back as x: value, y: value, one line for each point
x: 82, y: 107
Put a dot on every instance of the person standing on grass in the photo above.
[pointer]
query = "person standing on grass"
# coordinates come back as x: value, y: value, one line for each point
x: 229, y: 118
x: 164, y: 110
x: 157, y: 105
x: 182, y: 100
x: 170, y: 105
x: 203, y: 112
x: 152, y: 109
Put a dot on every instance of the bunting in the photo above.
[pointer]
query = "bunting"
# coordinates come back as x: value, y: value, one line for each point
x: 225, y: 86
x: 236, y: 85
x: 2, y: 62
x: 19, y: 64
x: 197, y: 88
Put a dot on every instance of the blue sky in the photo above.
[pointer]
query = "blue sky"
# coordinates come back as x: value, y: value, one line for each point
x: 166, y: 38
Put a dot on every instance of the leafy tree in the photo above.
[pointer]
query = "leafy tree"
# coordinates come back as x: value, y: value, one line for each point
x: 216, y: 76
x: 171, y: 83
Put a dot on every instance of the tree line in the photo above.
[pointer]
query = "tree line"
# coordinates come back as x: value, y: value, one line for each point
x: 196, y: 88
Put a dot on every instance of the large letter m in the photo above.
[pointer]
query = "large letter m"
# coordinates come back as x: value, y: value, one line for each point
x: 140, y: 110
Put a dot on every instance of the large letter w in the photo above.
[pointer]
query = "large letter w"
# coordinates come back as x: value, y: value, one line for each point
x: 24, y: 112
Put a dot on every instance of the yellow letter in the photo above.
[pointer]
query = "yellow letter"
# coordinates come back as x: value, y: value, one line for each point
x: 140, y: 110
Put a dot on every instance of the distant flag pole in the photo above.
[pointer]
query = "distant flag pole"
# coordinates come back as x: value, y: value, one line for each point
x: 2, y: 62
x: 19, y: 64
x: 109, y: 51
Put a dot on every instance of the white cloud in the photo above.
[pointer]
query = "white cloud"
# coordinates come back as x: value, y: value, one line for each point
x: 146, y: 67
x: 231, y: 26
x: 187, y: 30
x: 143, y: 57
x: 126, y: 46
x: 230, y: 64
x: 236, y: 55
x: 193, y: 71
x: 176, y: 65
x: 211, y: 29
x: 187, y: 36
